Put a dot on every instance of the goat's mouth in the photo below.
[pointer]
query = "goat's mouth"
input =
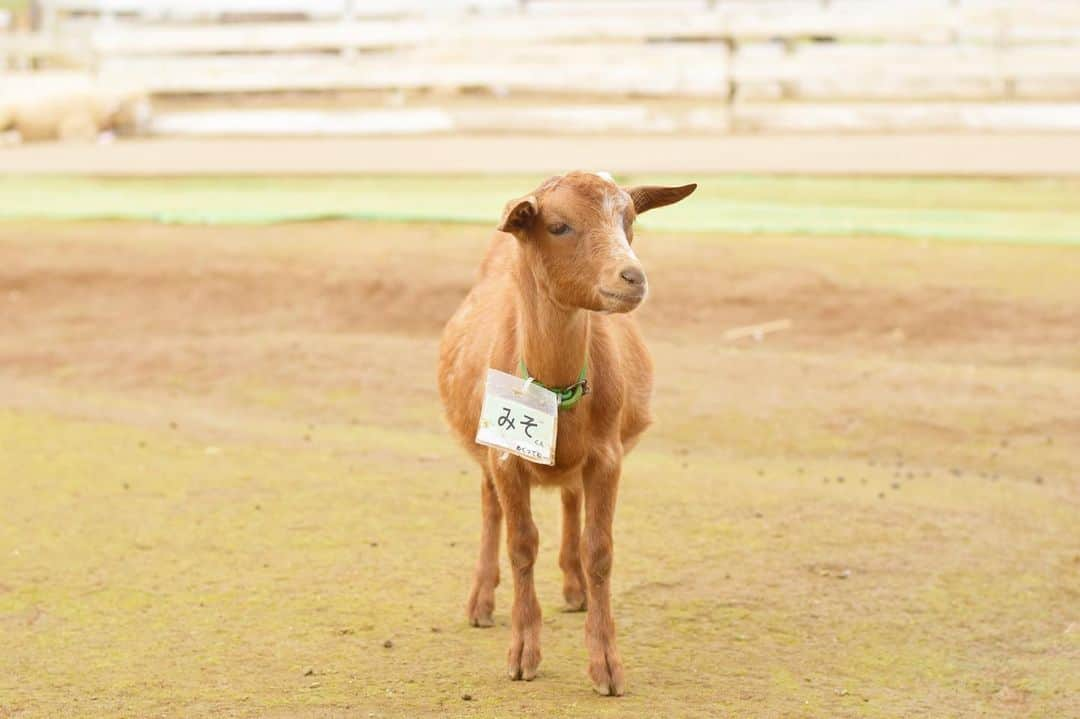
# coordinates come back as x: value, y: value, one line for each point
x: 625, y: 301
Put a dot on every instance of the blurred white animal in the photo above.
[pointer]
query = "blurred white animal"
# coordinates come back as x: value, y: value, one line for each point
x: 75, y: 110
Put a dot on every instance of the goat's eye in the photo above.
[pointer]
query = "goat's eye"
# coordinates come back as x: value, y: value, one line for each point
x: 560, y: 228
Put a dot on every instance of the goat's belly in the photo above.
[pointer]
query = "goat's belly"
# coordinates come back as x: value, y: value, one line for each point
x: 560, y: 475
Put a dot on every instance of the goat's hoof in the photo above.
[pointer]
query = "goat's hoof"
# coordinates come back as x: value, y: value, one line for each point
x: 480, y: 609
x: 608, y: 690
x: 523, y: 659
x: 574, y: 604
x: 522, y: 672
x: 519, y: 673
x: 606, y: 673
x: 573, y: 591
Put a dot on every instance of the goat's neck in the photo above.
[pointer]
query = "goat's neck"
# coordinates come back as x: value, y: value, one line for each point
x: 552, y: 338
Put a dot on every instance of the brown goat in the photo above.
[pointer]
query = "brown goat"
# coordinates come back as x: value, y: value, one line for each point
x: 553, y: 292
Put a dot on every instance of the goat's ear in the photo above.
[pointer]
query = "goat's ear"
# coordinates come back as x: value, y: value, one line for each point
x: 648, y: 197
x: 519, y: 214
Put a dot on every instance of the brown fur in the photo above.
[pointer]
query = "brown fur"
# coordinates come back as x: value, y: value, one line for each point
x: 553, y: 298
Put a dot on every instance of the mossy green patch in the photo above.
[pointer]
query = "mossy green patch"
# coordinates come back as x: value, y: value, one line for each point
x: 1043, y: 211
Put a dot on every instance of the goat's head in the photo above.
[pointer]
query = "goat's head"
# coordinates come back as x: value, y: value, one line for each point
x: 576, y: 231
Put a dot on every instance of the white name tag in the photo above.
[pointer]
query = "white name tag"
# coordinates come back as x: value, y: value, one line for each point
x: 519, y: 417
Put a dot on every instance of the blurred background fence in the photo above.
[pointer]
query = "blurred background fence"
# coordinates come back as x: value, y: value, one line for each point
x: 341, y: 67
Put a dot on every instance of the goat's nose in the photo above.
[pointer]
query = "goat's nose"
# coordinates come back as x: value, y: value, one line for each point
x: 633, y: 276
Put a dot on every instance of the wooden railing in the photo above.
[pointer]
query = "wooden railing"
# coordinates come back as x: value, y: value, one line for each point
x: 768, y: 64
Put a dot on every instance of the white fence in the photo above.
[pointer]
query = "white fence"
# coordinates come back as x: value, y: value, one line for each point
x: 748, y: 64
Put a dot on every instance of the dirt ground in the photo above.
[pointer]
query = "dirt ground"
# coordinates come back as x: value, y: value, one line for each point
x: 226, y: 489
x: 969, y: 154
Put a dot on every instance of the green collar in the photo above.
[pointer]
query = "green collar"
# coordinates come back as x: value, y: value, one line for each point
x: 568, y: 396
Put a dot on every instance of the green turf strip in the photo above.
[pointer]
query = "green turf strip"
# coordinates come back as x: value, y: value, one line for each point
x: 1020, y: 211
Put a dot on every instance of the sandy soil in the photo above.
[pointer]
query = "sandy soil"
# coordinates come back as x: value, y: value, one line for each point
x: 226, y: 486
x: 1006, y: 155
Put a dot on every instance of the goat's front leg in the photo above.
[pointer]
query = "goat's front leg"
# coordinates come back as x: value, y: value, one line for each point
x: 601, y: 482
x: 570, y: 551
x: 522, y: 542
x: 481, y: 604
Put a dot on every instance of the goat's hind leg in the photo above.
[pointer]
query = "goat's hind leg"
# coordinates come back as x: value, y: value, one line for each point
x: 481, y: 603
x: 570, y: 551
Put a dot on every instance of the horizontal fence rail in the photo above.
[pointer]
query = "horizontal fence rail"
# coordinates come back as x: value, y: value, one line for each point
x: 749, y: 64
